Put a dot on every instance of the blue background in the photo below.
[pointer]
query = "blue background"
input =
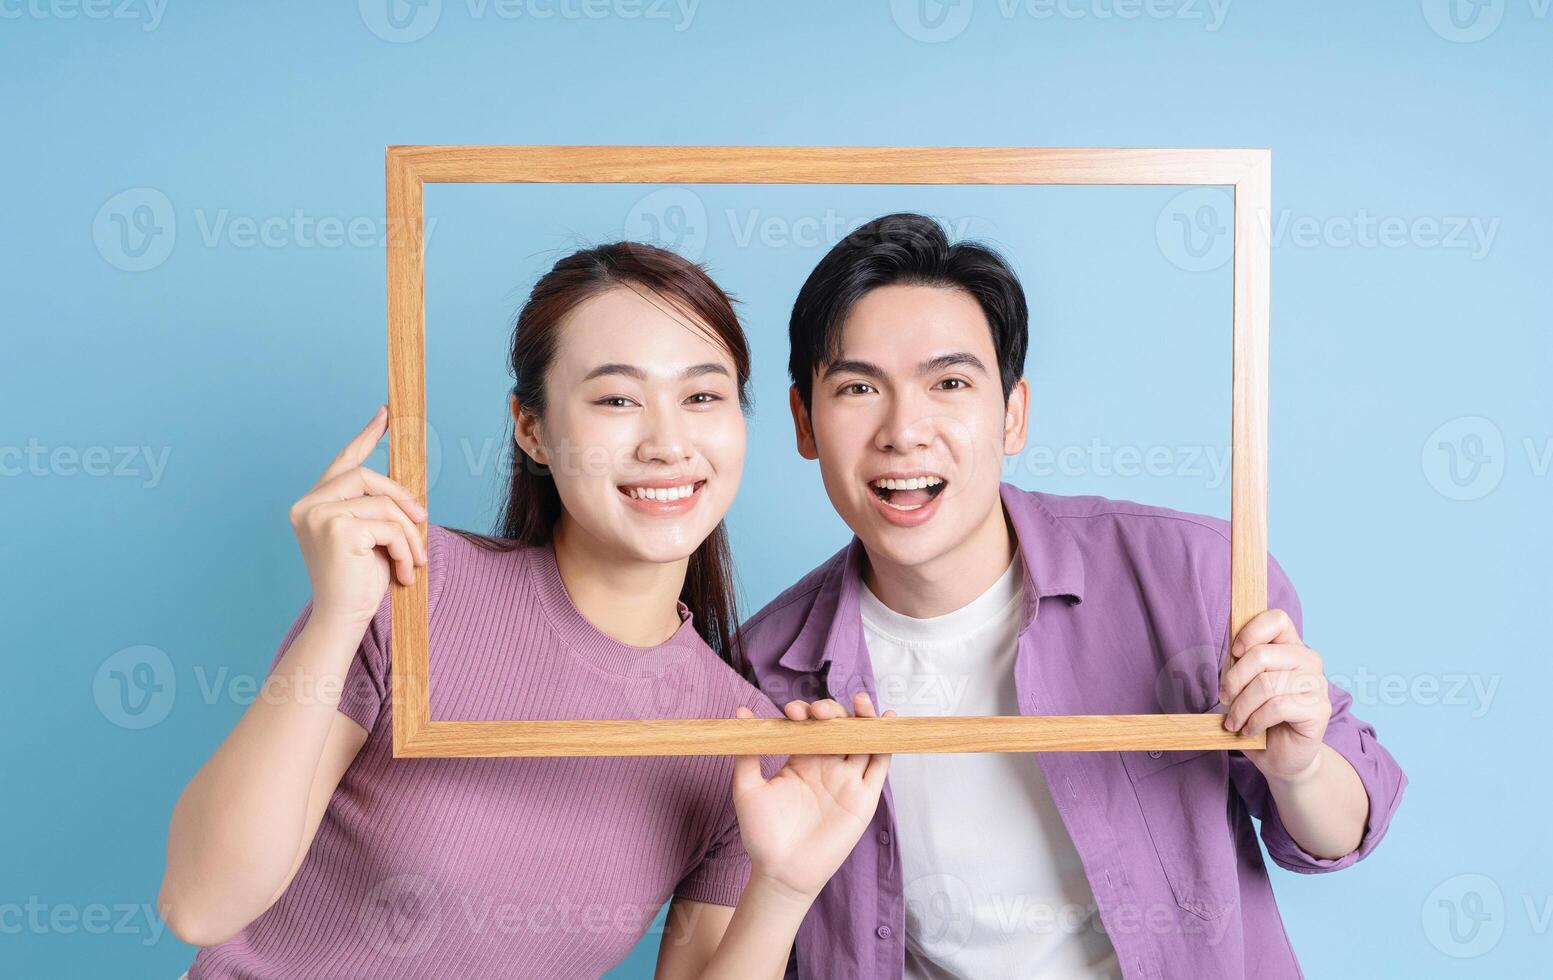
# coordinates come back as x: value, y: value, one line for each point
x: 192, y: 264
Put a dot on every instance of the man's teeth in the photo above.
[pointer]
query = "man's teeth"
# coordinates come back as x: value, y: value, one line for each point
x: 914, y: 483
x: 661, y: 493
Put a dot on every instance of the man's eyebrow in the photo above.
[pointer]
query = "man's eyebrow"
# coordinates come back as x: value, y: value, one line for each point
x: 930, y: 366
x: 847, y: 365
x: 632, y: 371
x: 956, y: 359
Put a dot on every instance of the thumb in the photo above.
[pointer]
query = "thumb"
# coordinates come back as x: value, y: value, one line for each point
x: 746, y: 768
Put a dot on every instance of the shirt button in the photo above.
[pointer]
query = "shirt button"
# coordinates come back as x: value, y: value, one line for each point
x: 884, y: 836
x: 1155, y: 753
x: 884, y: 932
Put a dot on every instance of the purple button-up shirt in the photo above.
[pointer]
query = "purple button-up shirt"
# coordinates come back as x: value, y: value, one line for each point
x: 1125, y: 611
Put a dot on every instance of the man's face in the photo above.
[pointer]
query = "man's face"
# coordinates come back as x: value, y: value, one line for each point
x: 910, y: 425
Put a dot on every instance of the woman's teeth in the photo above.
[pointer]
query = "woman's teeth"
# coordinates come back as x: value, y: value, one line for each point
x: 660, y: 493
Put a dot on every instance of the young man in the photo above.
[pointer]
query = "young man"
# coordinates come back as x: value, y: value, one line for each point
x: 964, y: 595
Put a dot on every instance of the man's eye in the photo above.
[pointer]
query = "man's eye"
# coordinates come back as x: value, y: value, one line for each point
x: 956, y: 383
x: 856, y: 388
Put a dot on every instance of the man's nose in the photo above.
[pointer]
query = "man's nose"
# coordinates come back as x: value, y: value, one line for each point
x: 907, y: 426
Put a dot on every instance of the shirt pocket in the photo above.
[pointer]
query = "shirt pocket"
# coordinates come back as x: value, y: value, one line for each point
x: 1184, y: 796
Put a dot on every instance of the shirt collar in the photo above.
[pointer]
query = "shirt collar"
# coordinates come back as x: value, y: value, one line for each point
x: 1053, y: 565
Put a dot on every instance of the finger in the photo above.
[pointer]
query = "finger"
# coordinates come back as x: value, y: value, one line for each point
x: 361, y: 481
x: 1267, y: 626
x: 1263, y: 657
x: 360, y: 447
x: 877, y: 767
x: 376, y: 509
x: 1266, y: 686
x: 746, y: 768
x: 796, y: 710
x: 1278, y: 709
x: 863, y: 705
x: 828, y: 708
x: 390, y: 536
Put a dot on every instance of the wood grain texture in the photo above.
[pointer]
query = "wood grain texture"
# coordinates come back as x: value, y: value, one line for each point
x: 410, y: 638
x: 822, y: 165
x: 729, y: 736
x: 1248, y: 171
x: 1248, y: 410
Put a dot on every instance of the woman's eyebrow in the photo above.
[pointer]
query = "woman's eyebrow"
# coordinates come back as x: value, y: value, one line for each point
x: 632, y: 371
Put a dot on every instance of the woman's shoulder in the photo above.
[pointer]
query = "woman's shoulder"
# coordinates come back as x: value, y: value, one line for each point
x: 472, y: 563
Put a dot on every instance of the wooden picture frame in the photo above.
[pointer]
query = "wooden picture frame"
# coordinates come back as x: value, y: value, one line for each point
x: 1247, y: 171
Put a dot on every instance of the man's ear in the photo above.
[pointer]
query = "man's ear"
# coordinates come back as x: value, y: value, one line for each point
x: 1016, y: 417
x: 803, y: 428
x: 525, y: 431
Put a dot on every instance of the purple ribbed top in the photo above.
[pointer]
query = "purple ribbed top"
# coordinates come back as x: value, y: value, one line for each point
x: 549, y: 867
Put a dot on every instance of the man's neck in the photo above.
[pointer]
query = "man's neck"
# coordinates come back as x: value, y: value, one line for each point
x: 951, y: 580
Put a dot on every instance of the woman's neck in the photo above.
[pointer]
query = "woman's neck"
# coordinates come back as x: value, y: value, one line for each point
x: 633, y: 602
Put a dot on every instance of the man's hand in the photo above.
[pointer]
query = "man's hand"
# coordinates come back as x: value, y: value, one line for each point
x: 1274, y: 683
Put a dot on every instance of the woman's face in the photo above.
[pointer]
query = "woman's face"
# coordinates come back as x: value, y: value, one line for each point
x: 642, y: 428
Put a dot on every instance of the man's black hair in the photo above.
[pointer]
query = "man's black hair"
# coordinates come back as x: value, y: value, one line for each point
x: 903, y: 249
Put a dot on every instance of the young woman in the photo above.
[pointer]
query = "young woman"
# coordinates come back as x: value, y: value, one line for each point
x: 302, y: 848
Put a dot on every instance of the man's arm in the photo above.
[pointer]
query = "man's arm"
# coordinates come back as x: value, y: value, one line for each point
x: 1325, y: 788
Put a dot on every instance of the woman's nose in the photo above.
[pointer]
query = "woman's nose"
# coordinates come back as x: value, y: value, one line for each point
x: 665, y: 439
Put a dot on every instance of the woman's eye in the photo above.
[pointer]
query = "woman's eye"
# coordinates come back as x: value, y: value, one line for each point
x: 614, y: 401
x: 704, y: 398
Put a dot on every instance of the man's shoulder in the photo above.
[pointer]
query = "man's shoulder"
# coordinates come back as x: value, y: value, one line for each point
x: 767, y: 634
x: 1094, y: 519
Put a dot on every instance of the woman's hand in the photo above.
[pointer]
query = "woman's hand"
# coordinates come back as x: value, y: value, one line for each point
x: 799, y: 826
x: 343, y: 521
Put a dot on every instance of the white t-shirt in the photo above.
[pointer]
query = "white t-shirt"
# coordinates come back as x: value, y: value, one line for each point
x: 994, y: 886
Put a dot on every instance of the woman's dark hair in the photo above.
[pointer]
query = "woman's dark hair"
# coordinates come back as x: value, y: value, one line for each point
x: 903, y: 249
x: 532, y: 506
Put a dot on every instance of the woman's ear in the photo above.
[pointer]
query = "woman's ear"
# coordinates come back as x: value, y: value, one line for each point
x: 803, y: 427
x: 525, y: 431
x: 1016, y: 418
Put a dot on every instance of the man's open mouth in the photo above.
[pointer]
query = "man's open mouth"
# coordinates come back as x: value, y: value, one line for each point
x: 908, y: 493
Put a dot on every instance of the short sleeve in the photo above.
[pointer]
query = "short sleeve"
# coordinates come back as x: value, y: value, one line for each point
x: 1353, y: 738
x: 724, y: 869
x: 365, y: 686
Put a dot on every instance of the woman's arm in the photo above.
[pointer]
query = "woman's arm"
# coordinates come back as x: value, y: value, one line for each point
x: 242, y: 825
x: 246, y: 819
x: 798, y: 828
